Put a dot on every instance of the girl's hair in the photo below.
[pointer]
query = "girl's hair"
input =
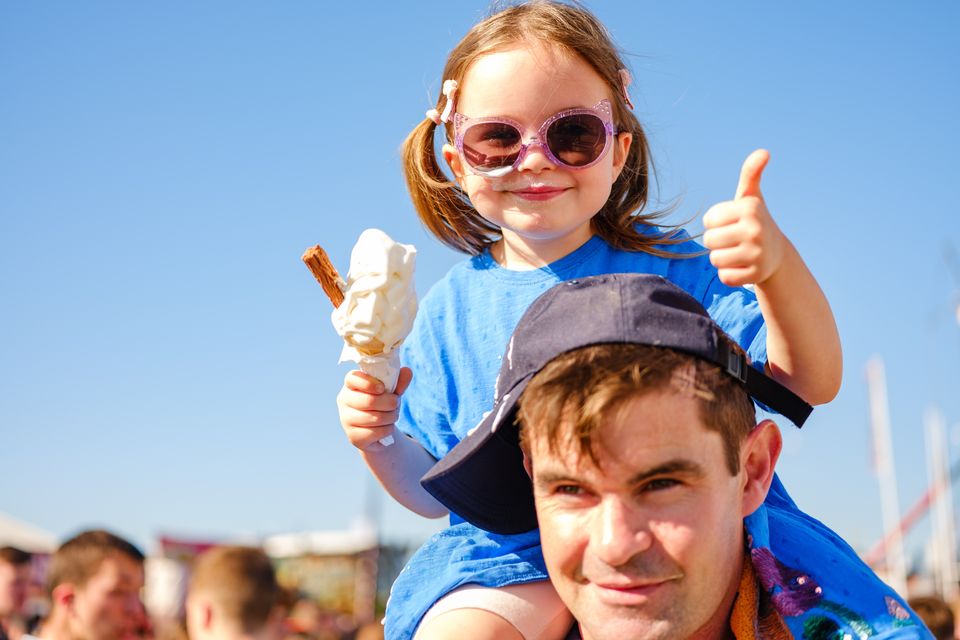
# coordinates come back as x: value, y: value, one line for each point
x: 443, y: 206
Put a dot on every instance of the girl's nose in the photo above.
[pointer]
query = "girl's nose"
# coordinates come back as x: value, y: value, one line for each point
x: 535, y: 159
x: 619, y: 533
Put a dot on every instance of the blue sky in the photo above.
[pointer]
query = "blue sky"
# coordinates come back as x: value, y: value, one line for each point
x: 168, y: 365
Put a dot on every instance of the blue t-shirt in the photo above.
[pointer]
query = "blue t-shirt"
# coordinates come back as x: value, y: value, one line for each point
x: 458, y: 339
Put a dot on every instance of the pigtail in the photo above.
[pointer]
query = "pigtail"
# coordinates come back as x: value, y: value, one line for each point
x: 441, y: 205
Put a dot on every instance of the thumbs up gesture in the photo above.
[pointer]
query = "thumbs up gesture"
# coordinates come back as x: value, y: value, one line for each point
x: 745, y: 244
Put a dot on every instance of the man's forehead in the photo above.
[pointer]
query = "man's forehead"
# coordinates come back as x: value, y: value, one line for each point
x: 645, y: 430
x: 121, y: 568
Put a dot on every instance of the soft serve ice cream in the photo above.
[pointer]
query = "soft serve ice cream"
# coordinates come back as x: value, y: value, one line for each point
x: 379, y: 305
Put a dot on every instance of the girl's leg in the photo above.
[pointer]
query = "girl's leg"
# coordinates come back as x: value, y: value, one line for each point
x: 531, y: 611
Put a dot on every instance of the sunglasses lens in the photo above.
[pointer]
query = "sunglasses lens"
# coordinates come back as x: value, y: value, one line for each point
x: 489, y: 146
x: 577, y: 140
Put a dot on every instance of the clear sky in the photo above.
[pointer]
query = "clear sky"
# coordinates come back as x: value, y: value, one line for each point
x: 168, y: 364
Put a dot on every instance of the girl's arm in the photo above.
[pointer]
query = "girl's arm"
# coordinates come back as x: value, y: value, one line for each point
x: 747, y: 247
x: 367, y: 415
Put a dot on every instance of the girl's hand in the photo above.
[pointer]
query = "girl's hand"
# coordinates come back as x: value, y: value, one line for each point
x: 367, y: 413
x: 745, y: 244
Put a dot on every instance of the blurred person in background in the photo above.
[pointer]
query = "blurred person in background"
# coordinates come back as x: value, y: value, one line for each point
x: 94, y: 585
x: 936, y: 614
x: 370, y: 631
x: 233, y: 595
x: 14, y: 578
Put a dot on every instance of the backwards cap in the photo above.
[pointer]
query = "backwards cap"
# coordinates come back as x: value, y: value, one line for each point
x: 483, y: 480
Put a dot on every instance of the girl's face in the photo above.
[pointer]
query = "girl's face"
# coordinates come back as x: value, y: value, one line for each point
x: 543, y: 209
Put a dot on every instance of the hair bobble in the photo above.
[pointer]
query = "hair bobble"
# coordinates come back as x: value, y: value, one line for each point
x: 625, y: 81
x: 449, y: 92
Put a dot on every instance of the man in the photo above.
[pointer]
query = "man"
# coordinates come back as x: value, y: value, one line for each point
x: 650, y: 475
x: 14, y: 578
x: 233, y: 595
x: 94, y: 584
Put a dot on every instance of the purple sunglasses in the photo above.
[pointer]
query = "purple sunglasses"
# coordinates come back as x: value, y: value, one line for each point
x: 573, y: 139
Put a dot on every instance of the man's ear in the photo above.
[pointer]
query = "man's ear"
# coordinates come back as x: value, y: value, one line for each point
x: 452, y: 158
x: 758, y: 460
x: 205, y: 610
x: 527, y: 462
x: 64, y: 595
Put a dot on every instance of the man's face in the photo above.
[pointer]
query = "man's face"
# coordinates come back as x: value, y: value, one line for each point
x: 650, y: 543
x: 108, y: 606
x: 13, y: 587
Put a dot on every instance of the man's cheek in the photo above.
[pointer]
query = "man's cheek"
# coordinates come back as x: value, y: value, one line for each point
x: 562, y: 536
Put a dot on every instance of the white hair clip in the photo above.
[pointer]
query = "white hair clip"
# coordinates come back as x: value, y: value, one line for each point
x: 449, y: 91
x: 625, y: 81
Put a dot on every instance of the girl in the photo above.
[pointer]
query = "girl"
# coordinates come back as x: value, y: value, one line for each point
x: 552, y: 173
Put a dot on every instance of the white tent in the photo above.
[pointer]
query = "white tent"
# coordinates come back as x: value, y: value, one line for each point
x: 26, y: 536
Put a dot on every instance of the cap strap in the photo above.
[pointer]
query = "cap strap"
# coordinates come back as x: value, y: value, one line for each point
x: 777, y: 397
x: 762, y: 387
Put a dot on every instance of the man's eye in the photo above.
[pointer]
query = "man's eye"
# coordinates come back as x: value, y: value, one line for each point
x: 660, y: 484
x: 568, y: 490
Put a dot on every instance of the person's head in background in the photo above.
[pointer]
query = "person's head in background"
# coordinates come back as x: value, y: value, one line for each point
x: 14, y: 579
x: 233, y: 594
x: 94, y: 585
x: 936, y: 614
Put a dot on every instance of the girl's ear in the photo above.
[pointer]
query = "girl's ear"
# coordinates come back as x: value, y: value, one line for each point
x: 621, y: 150
x: 452, y: 158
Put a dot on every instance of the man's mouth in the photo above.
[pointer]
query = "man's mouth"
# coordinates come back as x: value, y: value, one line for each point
x: 632, y: 593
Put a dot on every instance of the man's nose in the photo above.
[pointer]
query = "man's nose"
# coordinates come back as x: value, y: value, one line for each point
x: 620, y: 532
x: 536, y: 159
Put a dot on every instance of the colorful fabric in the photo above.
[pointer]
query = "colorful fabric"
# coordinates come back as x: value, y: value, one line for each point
x: 753, y: 616
x: 817, y: 582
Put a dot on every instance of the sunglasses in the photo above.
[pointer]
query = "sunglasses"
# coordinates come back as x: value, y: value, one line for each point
x: 573, y: 139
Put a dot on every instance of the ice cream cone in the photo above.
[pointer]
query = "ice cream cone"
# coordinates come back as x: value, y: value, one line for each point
x: 375, y: 307
x: 385, y: 368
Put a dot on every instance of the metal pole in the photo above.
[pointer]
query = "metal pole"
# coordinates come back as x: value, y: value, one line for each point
x: 944, y: 533
x: 886, y: 476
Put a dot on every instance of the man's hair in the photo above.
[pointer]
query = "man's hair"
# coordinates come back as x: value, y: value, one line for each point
x: 240, y: 582
x: 80, y: 557
x: 14, y: 556
x: 936, y: 614
x: 567, y: 402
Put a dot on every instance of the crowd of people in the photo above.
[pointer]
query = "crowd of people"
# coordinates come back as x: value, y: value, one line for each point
x: 93, y: 591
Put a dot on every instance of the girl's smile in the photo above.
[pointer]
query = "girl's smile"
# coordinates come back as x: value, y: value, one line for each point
x: 539, y: 193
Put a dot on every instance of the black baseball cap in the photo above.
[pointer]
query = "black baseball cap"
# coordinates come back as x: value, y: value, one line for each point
x: 483, y: 480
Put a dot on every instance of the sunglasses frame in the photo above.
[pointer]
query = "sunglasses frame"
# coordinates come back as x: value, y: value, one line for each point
x: 462, y: 124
